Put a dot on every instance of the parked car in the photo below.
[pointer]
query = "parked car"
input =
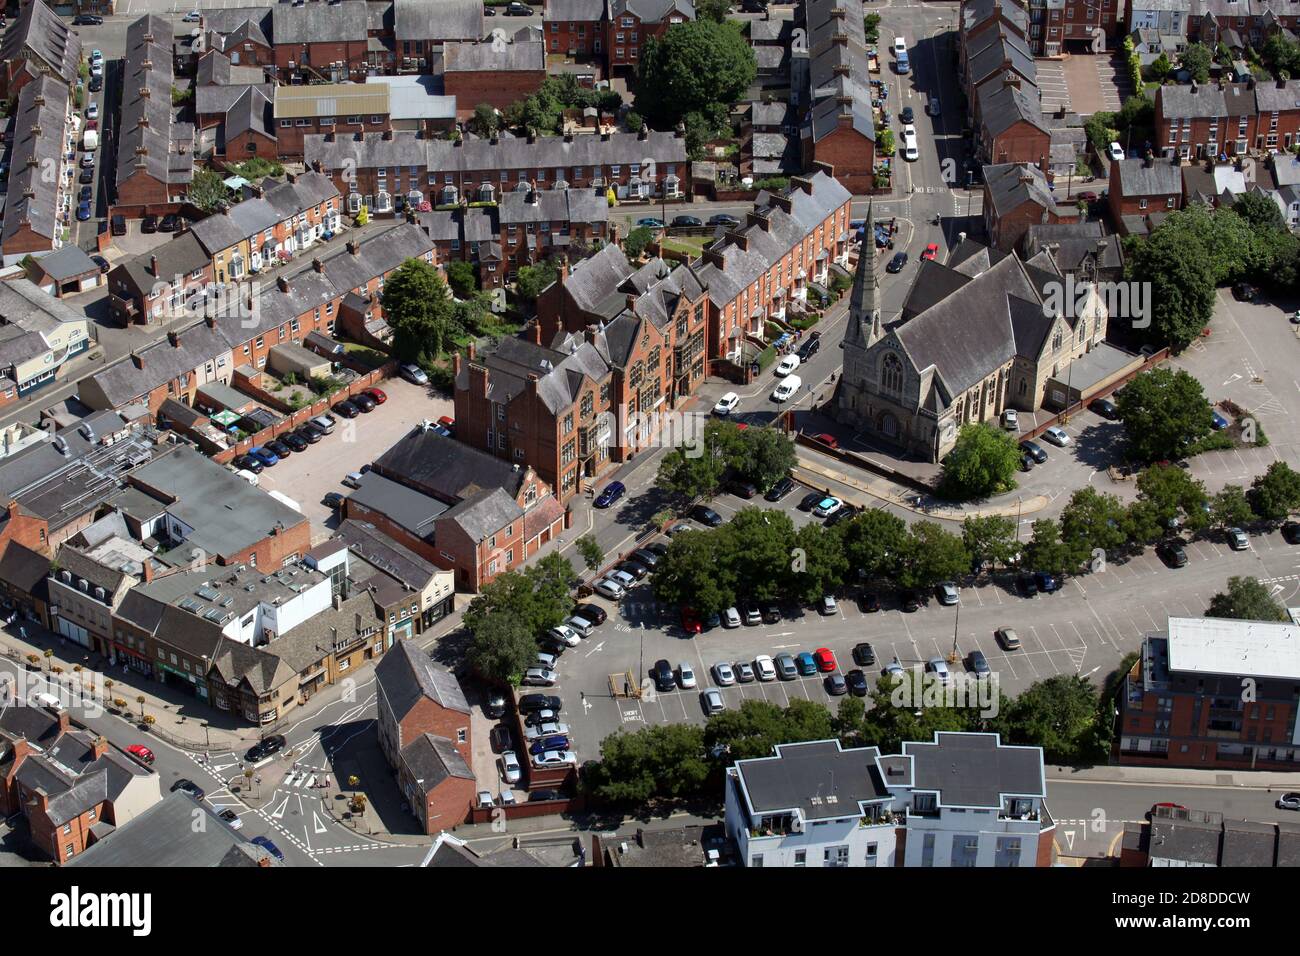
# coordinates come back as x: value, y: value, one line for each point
x: 946, y: 592
x: 592, y: 612
x: 663, y: 676
x: 785, y: 667
x: 633, y: 569
x: 515, y: 9
x: 686, y: 675
x: 87, y: 176
x: 169, y: 223
x: 551, y: 728
x: 555, y: 758
x: 1007, y: 638
x: 744, y: 672
x: 765, y: 667
x: 864, y: 655
x: 232, y: 819
x: 712, y: 703
x: 148, y: 223
x: 610, y: 589
x: 1034, y: 451
x: 868, y: 602
x: 722, y: 219
x: 931, y: 252
x: 376, y: 395
x: 1057, y: 436
x: 293, y: 441
x: 87, y: 20
x: 786, y: 389
x: 939, y: 667
x: 770, y: 612
x: 1115, y: 151
x: 554, y: 742
x: 977, y: 664
x: 723, y: 674
x: 96, y: 84
x: 810, y: 346
x: 824, y: 658
x: 1172, y: 553
x: 565, y: 635
x: 185, y: 785
x: 413, y: 374
x: 1218, y: 422
x: 811, y: 501
x: 649, y: 222
x: 363, y: 402
x: 1046, y: 582
x: 730, y: 618
x: 192, y: 17
x: 1291, y: 532
x: 786, y: 365
x: 264, y: 455
x: 539, y: 677
x: 249, y: 463
x: 687, y: 222
x: 619, y: 576
x: 511, y: 772
x: 897, y: 263
x: 1010, y: 420
x: 706, y: 516
x: 751, y: 615
x: 1237, y: 539
x: 906, y: 115
x: 857, y: 683
x: 536, y: 703
x: 611, y: 493
x: 353, y: 479
x: 345, y: 409
x: 1105, y: 408
x: 266, y: 844
x: 118, y: 224
x: 726, y: 404
x: 278, y: 448
x: 826, y: 605
x: 1245, y: 292
x: 779, y: 490
x: 101, y: 262
x: 827, y: 439
x: 83, y: 210
x: 827, y: 506
x: 911, y: 600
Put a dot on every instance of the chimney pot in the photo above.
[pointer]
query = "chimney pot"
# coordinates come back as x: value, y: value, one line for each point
x: 153, y: 266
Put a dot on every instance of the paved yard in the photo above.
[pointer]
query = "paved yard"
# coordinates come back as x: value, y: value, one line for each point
x: 1052, y: 81
x: 308, y: 476
x: 1092, y: 83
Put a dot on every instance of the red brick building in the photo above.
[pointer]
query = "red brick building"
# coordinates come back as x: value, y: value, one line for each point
x: 38, y: 43
x: 1206, y: 120
x: 1182, y: 704
x: 39, y: 201
x: 1017, y: 196
x: 495, y: 71
x: 574, y: 27
x: 1011, y: 126
x: 629, y: 23
x: 838, y: 128
x: 1142, y: 192
x: 321, y: 41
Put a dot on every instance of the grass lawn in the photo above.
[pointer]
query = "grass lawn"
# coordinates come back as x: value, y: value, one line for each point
x: 691, y: 245
x: 365, y: 354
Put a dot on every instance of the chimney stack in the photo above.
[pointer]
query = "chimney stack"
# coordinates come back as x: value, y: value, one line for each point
x: 175, y: 339
x: 153, y: 266
x: 137, y: 360
x: 471, y: 352
x: 282, y: 283
x: 318, y: 265
x: 353, y: 246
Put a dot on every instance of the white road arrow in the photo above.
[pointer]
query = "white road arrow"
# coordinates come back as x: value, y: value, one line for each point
x: 1232, y: 378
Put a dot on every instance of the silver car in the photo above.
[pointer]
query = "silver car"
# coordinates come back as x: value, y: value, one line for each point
x: 565, y: 635
x: 622, y: 578
x: 731, y: 617
x: 723, y: 675
x: 712, y: 702
x: 1237, y: 539
x: 579, y: 624
x: 539, y: 677
x: 785, y: 667
x: 549, y: 729
x: 610, y: 589
x: 939, y: 667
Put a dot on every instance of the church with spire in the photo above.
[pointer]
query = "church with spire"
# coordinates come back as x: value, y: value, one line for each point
x: 976, y: 335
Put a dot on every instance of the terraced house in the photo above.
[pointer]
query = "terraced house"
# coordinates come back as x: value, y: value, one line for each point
x: 38, y: 43
x: 838, y: 127
x: 36, y: 212
x: 374, y: 168
x: 1206, y: 120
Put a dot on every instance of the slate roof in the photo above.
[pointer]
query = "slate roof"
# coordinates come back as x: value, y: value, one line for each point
x: 1003, y: 48
x: 43, y: 34
x: 279, y: 202
x: 485, y: 513
x: 976, y: 12
x: 819, y: 779
x: 320, y: 23
x: 1161, y: 178
x: 430, y: 760
x: 487, y: 56
x: 650, y: 11
x: 1001, y: 108
x: 180, y: 256
x: 382, y: 551
x: 553, y: 205
x: 405, y: 507
x: 589, y: 11
x: 1277, y: 96
x: 446, y: 468
x: 562, y: 375
x: 1074, y: 240
x: 39, y: 132
x: 595, y: 278
x: 406, y: 675
x: 146, y: 110
x: 1191, y: 102
x: 1010, y: 185
x: 437, y: 21
x: 70, y: 262
x: 976, y: 770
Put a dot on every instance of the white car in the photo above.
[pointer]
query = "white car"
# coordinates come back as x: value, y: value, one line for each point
x: 827, y: 606
x: 548, y: 729
x: 731, y: 617
x: 623, y: 578
x: 787, y: 388
x: 685, y: 675
x: 712, y: 702
x: 1115, y: 151
x: 485, y: 799
x: 581, y: 625
x: 232, y: 818
x: 764, y: 667
x: 1010, y: 420
x: 610, y: 589
x: 827, y: 507
x: 507, y: 798
x: 97, y: 68
x: 510, y: 769
x: 192, y: 17
x: 1056, y: 436
x: 566, y: 634
x: 900, y: 45
x: 911, y: 152
x: 723, y: 675
x: 787, y: 365
x: 92, y: 111
x: 555, y: 758
x: 726, y: 404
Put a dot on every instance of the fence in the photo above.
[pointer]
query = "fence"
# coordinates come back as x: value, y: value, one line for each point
x: 1070, y: 410
x: 524, y: 811
x: 867, y: 464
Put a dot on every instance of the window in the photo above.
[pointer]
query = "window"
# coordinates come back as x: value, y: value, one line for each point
x: 800, y: 857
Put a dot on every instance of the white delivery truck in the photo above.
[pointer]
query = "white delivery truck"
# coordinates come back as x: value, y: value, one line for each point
x: 90, y: 140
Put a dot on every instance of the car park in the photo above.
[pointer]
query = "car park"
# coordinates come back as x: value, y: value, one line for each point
x: 765, y: 667
x: 539, y: 677
x: 706, y: 516
x: 1007, y: 638
x: 827, y: 506
x: 786, y: 389
x: 785, y: 666
x: 686, y: 675
x: 911, y: 600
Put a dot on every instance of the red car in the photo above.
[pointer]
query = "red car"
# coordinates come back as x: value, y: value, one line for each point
x: 1157, y: 806
x: 931, y: 251
x: 826, y: 438
x: 141, y: 753
x: 446, y: 421
x: 1087, y: 196
x: 825, y: 659
x: 691, y: 621
x: 377, y: 395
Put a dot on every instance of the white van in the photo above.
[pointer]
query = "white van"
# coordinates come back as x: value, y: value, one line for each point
x: 90, y: 140
x: 900, y: 46
x: 248, y: 476
x: 48, y: 701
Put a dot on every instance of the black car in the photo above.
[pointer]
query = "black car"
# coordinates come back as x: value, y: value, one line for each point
x: 294, y: 441
x: 515, y: 9
x: 309, y: 433
x: 542, y: 796
x: 489, y: 11
x: 1245, y: 292
x: 1034, y: 451
x: 265, y: 747
x: 896, y: 264
x: 149, y: 224
x: 1026, y: 462
x: 333, y: 500
x: 868, y: 602
x: 363, y: 402
x: 1105, y: 408
x: 857, y: 682
x: 1291, y: 532
x: 501, y: 739
x: 743, y: 489
x: 810, y: 347
x: 1027, y: 584
x: 118, y: 224
x: 345, y: 409
x: 771, y: 612
x: 706, y: 516
x: 169, y: 223
x: 662, y: 675
x: 864, y: 655
x: 647, y: 557
x: 779, y: 490
x: 912, y: 601
x: 1172, y: 553
x: 188, y: 786
x: 810, y: 501
x: 846, y: 513
x: 687, y: 222
x: 977, y: 664
x: 907, y: 117
x: 96, y: 84
x: 87, y: 20
x: 279, y: 448
x: 722, y: 219
x: 101, y: 262
x: 249, y: 463
x: 87, y: 176
x: 591, y: 612
x: 657, y: 548
x: 753, y: 6
x: 495, y: 705
x: 531, y: 703
x: 634, y: 568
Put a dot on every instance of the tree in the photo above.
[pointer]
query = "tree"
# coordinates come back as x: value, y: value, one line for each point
x: 885, y: 140
x: 1276, y: 493
x: 1046, y: 550
x: 533, y: 279
x: 635, y: 242
x: 634, y: 121
x: 1258, y: 211
x: 756, y: 727
x: 1196, y: 61
x: 1093, y: 520
x: 593, y: 555
x: 715, y: 10
x: 1246, y: 600
x: 898, y: 714
x: 1060, y: 715
x: 763, y: 455
x: 502, y: 648
x: 981, y: 463
x: 930, y: 555
x: 1160, y: 67
x: 695, y: 469
x: 694, y: 67
x: 818, y: 565
x: 462, y: 277
x: 485, y: 121
x: 666, y: 760
x: 1164, y: 414
x: 1230, y: 508
x: 1172, y: 497
x: 418, y: 308
x: 873, y: 542
x: 1182, y: 279
x: 695, y: 574
x: 757, y: 544
x: 990, y: 540
x: 208, y: 191
x: 538, y: 597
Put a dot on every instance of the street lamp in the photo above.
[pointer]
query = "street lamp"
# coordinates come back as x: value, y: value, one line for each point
x: 1019, y: 500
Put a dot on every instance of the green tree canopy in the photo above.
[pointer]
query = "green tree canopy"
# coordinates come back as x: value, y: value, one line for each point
x: 462, y: 277
x: 821, y: 553
x: 1093, y: 520
x: 1059, y: 714
x: 533, y: 279
x: 874, y: 540
x: 931, y: 555
x: 208, y: 191
x: 666, y: 760
x: 418, y: 307
x: 593, y: 555
x: 1196, y: 59
x: 982, y: 462
x: 756, y: 545
x: 756, y: 727
x: 695, y: 574
x: 634, y: 243
x: 1246, y: 600
x: 1165, y: 414
x: 693, y: 68
x: 485, y: 120
x: 990, y: 539
x: 1166, y: 493
x: 502, y: 648
x: 763, y: 455
x: 1276, y: 493
x: 1230, y: 508
x: 1047, y: 551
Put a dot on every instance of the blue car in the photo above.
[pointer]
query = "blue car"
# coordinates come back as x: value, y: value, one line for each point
x: 613, y: 491
x: 1047, y: 583
x: 83, y: 211
x: 805, y: 663
x: 264, y: 455
x: 555, y: 742
x: 1218, y: 422
x: 269, y: 847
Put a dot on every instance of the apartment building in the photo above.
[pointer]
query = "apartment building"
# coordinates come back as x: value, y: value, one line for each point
x: 373, y: 169
x: 1182, y: 705
x: 961, y: 800
x: 39, y: 204
x: 39, y: 335
x: 38, y: 43
x: 574, y: 27
x: 420, y: 29
x: 629, y: 24
x: 90, y: 576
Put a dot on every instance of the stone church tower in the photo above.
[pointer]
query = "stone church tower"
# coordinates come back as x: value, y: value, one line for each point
x: 864, y: 331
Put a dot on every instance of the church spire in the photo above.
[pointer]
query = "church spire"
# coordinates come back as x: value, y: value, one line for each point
x: 864, y: 314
